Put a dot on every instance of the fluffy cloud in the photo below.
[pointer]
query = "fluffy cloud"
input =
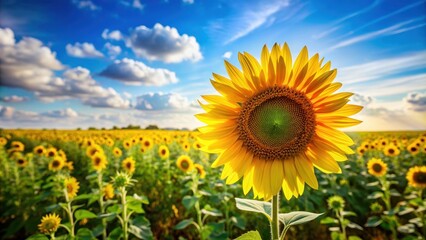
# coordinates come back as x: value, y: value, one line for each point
x: 137, y: 73
x: 7, y: 36
x: 85, y: 4
x: 362, y: 100
x: 64, y: 113
x: 113, y: 35
x: 227, y: 55
x: 13, y: 98
x: 164, y: 43
x: 11, y: 114
x: 162, y: 101
x: 113, y: 50
x: 83, y: 50
x: 415, y: 102
x: 188, y: 1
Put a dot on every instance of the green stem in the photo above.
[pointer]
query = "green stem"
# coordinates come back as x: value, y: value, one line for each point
x: 124, y: 213
x: 69, y: 211
x: 275, y: 227
x: 101, y: 205
x: 52, y: 236
x: 342, y: 222
x: 197, y: 203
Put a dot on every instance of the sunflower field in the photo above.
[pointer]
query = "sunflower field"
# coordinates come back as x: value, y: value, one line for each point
x: 155, y: 184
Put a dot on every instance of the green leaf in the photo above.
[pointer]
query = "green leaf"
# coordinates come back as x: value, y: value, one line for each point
x: 373, y: 221
x: 81, y: 213
x: 38, y: 237
x: 212, y: 212
x: 254, y: 206
x: 140, y: 199
x: 354, y: 226
x: 183, y: 224
x: 84, y: 196
x: 348, y: 213
x: 114, y: 209
x: 394, y: 192
x: 375, y: 195
x: 142, y: 232
x: 252, y: 235
x: 372, y: 184
x: 297, y: 217
x: 406, y: 211
x: 85, y: 234
x: 354, y: 238
x: 189, y: 201
x: 135, y: 206
x: 329, y: 220
x: 407, y: 228
x: 239, y: 222
x: 115, y: 234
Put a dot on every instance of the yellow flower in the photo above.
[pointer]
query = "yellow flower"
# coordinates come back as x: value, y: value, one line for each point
x: 69, y: 165
x: 416, y: 176
x: 146, y: 144
x: 185, y: 163
x: 109, y: 191
x: 200, y: 170
x: 92, y: 150
x: 377, y: 167
x: 117, y: 152
x: 274, y: 121
x: 391, y: 150
x: 17, y: 146
x: 71, y: 186
x: 56, y: 164
x: 413, y: 149
x: 99, y: 161
x: 163, y: 152
x: 51, y: 152
x: 3, y: 141
x: 127, y: 144
x: 49, y: 223
x: 129, y: 165
x: 186, y: 146
x: 62, y: 154
x: 21, y: 161
x: 39, y: 150
x: 196, y: 145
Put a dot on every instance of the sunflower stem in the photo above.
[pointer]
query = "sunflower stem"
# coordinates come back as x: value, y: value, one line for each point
x: 101, y: 205
x: 275, y: 225
x: 124, y: 213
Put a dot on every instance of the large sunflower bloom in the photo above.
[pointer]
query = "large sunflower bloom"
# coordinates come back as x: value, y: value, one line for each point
x: 377, y: 167
x: 416, y: 176
x: 274, y: 121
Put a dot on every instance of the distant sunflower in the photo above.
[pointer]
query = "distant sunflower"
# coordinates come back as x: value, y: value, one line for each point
x: 129, y: 165
x: 336, y: 203
x: 127, y: 144
x: 51, y: 152
x: 196, y: 145
x: 17, y: 146
x: 416, y: 176
x: 185, y: 163
x: 39, y: 150
x: 117, y: 152
x: 108, y: 191
x: 200, y: 170
x: 413, y: 149
x: 92, y: 150
x: 21, y: 162
x: 109, y: 142
x: 377, y: 167
x: 49, y: 223
x: 99, y: 161
x: 71, y: 187
x: 361, y: 150
x: 3, y: 141
x: 147, y: 144
x: 163, y: 152
x: 69, y: 165
x: 274, y: 121
x: 62, y: 154
x: 186, y: 146
x: 56, y: 164
x: 391, y: 150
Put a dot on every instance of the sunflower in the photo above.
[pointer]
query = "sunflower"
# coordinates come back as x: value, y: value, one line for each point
x: 163, y: 152
x: 17, y: 146
x: 146, y: 144
x: 49, y: 223
x: 109, y: 191
x: 413, y: 149
x: 129, y: 165
x: 391, y: 150
x: 56, y: 164
x: 127, y: 144
x: 109, y: 142
x: 92, y: 150
x: 196, y: 145
x: 117, y: 152
x: 21, y: 162
x: 361, y: 150
x: 200, y: 170
x: 377, y: 167
x: 51, y: 152
x: 186, y: 146
x: 416, y: 176
x: 62, y: 154
x: 69, y: 165
x: 3, y: 141
x: 185, y: 163
x: 99, y: 161
x: 71, y: 186
x: 336, y: 202
x: 39, y: 150
x: 275, y: 121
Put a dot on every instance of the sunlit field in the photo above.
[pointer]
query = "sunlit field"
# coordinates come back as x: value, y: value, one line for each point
x: 155, y: 184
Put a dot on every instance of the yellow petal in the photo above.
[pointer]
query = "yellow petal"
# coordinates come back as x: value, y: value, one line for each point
x: 228, y: 154
x: 276, y: 175
x: 305, y: 169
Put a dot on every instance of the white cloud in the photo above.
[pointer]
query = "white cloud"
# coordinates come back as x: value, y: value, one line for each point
x: 14, y: 99
x: 127, y: 95
x: 113, y: 35
x: 164, y: 43
x: 137, y: 73
x: 64, y: 113
x: 83, y: 50
x: 381, y: 68
x: 7, y: 36
x: 188, y: 1
x: 85, y: 4
x: 162, y: 101
x: 227, y: 55
x: 113, y: 51
x: 137, y: 4
x: 415, y: 101
x: 394, y: 29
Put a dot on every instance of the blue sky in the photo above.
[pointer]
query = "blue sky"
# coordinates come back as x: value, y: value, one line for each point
x: 80, y: 63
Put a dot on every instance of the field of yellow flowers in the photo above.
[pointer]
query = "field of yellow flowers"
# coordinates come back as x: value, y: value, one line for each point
x: 155, y: 184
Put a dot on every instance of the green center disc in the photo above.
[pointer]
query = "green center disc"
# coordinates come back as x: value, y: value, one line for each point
x: 277, y: 121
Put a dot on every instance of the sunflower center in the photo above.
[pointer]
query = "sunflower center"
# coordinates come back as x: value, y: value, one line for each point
x: 377, y: 167
x: 420, y: 177
x: 185, y: 164
x: 391, y: 151
x: 277, y: 123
